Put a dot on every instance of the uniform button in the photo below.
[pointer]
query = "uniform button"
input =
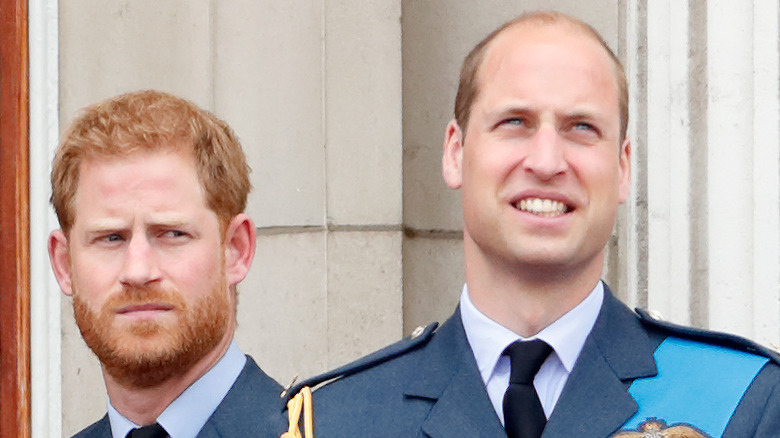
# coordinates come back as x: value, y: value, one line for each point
x: 418, y: 331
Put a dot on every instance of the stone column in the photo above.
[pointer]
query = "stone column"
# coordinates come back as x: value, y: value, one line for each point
x: 314, y: 89
x: 705, y: 95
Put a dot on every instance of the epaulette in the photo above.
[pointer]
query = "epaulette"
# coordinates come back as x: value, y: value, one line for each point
x: 419, y: 337
x: 726, y: 340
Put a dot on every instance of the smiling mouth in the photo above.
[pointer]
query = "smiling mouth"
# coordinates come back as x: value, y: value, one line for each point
x: 543, y: 207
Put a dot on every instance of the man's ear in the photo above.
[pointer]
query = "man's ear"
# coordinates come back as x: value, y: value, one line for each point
x: 239, y: 248
x: 60, y: 262
x: 625, y: 170
x: 452, y: 158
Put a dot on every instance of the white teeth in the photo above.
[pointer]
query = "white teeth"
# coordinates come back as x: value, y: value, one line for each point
x: 542, y: 207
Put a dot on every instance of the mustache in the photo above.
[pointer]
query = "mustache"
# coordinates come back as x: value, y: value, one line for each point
x: 131, y: 295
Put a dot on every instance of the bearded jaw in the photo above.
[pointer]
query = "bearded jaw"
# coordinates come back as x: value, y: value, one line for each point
x: 145, y: 353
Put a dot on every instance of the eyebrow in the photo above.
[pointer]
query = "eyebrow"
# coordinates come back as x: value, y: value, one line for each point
x: 513, y: 109
x: 102, y: 225
x: 161, y: 220
x: 589, y: 111
x: 168, y: 220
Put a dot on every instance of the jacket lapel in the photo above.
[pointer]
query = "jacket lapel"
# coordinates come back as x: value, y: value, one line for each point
x: 595, y: 401
x: 448, y: 377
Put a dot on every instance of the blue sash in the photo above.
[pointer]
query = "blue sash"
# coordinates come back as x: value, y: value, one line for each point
x: 697, y: 384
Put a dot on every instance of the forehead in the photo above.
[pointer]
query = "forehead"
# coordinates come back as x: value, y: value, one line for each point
x: 548, y: 52
x: 144, y: 175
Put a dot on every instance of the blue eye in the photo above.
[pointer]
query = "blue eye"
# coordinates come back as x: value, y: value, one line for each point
x: 583, y: 133
x: 110, y: 239
x: 584, y: 126
x: 113, y: 238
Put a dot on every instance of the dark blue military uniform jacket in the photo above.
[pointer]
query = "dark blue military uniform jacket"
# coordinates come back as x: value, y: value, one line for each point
x: 429, y: 386
x: 250, y: 409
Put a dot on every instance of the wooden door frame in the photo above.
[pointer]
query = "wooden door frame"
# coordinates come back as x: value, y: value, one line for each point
x: 15, y: 419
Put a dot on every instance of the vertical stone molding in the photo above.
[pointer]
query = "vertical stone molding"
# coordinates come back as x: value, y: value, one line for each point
x: 730, y: 115
x: 45, y: 323
x: 712, y: 180
x: 766, y: 173
x: 626, y: 268
x: 668, y: 159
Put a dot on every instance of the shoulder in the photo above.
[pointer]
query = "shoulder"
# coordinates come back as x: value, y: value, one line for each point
x: 252, y: 407
x: 253, y: 390
x: 97, y: 429
x: 373, y: 392
x: 372, y: 362
x: 253, y: 381
x: 735, y: 380
x: 694, y: 337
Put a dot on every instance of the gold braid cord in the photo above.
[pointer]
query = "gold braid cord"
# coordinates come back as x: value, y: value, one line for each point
x: 301, y: 401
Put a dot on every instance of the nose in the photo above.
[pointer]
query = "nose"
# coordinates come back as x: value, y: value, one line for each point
x: 545, y: 154
x: 140, y: 265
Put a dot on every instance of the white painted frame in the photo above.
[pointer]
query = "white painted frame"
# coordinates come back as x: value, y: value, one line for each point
x: 45, y: 331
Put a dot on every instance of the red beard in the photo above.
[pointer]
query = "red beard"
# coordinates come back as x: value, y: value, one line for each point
x: 146, y: 353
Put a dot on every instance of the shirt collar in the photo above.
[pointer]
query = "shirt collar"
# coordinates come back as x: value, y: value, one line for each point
x: 488, y: 339
x: 187, y: 414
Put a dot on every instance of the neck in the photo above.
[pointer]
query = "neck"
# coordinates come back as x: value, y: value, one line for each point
x: 143, y: 406
x: 527, y: 299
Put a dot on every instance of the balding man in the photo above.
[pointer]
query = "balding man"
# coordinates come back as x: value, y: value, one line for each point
x: 539, y: 346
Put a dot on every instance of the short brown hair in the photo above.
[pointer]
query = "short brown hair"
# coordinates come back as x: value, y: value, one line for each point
x: 468, y: 86
x: 148, y: 121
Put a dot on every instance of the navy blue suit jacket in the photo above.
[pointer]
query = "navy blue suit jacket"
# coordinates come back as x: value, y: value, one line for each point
x: 250, y: 409
x: 429, y: 386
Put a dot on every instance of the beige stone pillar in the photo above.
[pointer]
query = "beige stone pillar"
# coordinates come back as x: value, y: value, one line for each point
x: 701, y: 235
x: 315, y: 93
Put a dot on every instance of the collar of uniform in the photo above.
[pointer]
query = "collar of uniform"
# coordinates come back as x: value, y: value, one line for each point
x: 187, y: 414
x: 566, y: 336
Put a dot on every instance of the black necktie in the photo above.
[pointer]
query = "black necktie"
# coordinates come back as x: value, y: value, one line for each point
x: 523, y: 413
x: 150, y: 431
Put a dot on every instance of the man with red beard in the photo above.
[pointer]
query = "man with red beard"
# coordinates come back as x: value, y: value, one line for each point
x: 150, y: 192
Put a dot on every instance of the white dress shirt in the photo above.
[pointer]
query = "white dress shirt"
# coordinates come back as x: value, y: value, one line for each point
x: 186, y: 415
x: 566, y: 336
